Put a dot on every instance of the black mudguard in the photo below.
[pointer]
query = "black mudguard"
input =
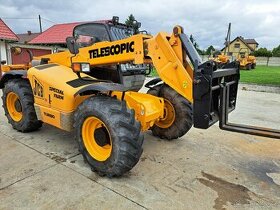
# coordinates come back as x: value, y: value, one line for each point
x: 153, y: 82
x: 11, y: 75
x: 100, y: 87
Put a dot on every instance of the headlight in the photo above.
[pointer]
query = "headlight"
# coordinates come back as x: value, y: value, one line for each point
x: 85, y: 67
x: 81, y: 67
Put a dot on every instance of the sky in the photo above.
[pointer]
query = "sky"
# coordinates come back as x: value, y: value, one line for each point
x: 206, y: 20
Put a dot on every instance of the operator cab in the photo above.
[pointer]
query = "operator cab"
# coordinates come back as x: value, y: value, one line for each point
x: 130, y: 75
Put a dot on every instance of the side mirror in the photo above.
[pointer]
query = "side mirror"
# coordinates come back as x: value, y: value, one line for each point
x: 72, y: 45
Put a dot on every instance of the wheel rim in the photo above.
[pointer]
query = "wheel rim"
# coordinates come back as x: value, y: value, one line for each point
x: 169, y: 115
x: 96, y: 138
x: 14, y: 106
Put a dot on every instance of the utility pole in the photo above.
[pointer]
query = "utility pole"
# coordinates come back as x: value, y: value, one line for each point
x: 40, y: 23
x: 228, y: 39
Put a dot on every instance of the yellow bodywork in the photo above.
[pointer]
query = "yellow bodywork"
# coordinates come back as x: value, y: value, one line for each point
x: 221, y: 59
x: 148, y: 109
x: 247, y: 60
x: 56, y: 100
x: 64, y: 58
x: 7, y: 68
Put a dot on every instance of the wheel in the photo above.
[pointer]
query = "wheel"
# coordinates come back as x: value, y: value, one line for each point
x: 154, y: 90
x: 253, y: 66
x: 108, y: 135
x: 248, y: 67
x: 177, y: 119
x: 18, y: 104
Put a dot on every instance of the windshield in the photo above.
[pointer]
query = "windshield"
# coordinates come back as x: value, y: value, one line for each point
x: 90, y: 33
x: 97, y: 32
x: 120, y: 32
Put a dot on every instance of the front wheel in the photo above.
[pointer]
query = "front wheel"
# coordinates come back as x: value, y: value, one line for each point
x: 108, y: 135
x: 177, y: 120
x: 248, y: 67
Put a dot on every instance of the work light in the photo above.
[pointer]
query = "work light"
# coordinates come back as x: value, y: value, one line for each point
x: 81, y: 67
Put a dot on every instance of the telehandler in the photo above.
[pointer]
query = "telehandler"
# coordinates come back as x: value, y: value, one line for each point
x: 246, y: 60
x: 69, y: 90
x: 220, y: 59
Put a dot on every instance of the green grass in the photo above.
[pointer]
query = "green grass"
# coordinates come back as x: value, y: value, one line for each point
x: 262, y: 75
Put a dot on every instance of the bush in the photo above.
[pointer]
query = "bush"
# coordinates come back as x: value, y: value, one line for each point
x: 262, y: 52
x: 276, y: 51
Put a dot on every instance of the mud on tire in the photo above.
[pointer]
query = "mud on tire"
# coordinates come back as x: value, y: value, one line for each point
x: 28, y: 120
x: 125, y: 134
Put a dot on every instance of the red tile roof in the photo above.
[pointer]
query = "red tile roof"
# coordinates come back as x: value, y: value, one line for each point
x: 57, y: 34
x: 6, y: 33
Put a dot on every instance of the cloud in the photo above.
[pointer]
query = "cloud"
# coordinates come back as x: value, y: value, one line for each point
x: 206, y: 20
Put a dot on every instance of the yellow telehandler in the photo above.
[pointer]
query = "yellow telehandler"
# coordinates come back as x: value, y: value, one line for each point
x: 85, y: 90
x: 246, y: 60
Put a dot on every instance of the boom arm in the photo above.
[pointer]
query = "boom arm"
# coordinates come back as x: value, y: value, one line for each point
x: 164, y: 51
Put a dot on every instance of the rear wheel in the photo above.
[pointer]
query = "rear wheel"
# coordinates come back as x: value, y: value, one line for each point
x: 18, y: 104
x: 177, y: 119
x: 108, y: 135
x: 253, y: 66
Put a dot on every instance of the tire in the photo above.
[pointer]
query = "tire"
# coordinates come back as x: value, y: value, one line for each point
x: 248, y: 67
x: 119, y: 139
x: 253, y: 66
x: 154, y: 90
x: 18, y: 104
x: 183, y: 119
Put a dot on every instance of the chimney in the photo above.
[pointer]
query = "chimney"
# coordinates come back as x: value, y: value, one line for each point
x: 29, y: 32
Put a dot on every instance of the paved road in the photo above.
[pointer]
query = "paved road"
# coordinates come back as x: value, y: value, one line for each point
x: 204, y: 169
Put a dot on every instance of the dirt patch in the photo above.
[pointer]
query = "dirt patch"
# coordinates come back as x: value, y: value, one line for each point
x: 55, y: 157
x: 227, y: 192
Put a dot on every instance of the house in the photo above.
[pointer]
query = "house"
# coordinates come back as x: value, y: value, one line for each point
x: 56, y: 35
x: 9, y: 41
x: 26, y: 37
x: 240, y: 46
x: 36, y: 50
x: 7, y: 36
x: 50, y: 41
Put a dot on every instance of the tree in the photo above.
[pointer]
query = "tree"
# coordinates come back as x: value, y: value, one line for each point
x: 209, y: 50
x: 262, y: 52
x: 191, y: 38
x: 132, y: 23
x: 276, y: 51
x: 196, y: 46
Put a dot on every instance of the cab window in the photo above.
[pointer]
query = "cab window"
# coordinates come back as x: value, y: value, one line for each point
x: 97, y: 32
